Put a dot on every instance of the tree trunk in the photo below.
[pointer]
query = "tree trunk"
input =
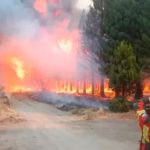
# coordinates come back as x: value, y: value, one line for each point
x: 102, y: 93
x: 93, y: 88
x: 117, y: 93
x: 77, y: 87
x: 71, y: 86
x: 84, y: 87
x: 123, y: 91
x: 139, y: 90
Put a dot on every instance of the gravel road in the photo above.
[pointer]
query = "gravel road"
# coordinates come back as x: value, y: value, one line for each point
x: 47, y: 128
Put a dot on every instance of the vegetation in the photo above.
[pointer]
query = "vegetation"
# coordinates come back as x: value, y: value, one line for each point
x: 123, y: 70
x: 119, y: 105
x: 109, y: 24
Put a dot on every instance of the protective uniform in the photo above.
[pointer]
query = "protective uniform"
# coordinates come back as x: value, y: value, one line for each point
x: 146, y: 127
x: 143, y: 113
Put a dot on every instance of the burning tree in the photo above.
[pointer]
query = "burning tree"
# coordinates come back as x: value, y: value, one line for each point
x: 94, y: 39
x: 44, y: 35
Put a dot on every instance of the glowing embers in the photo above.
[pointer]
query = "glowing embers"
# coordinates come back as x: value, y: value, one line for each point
x: 18, y: 66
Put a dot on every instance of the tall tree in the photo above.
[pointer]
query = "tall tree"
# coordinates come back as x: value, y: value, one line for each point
x: 124, y: 70
x: 94, y: 37
x: 129, y: 20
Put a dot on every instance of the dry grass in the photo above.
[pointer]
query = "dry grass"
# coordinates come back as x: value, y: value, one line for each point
x: 95, y: 114
x: 8, y: 114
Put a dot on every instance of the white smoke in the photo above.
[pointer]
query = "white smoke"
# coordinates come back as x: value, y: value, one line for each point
x: 84, y: 4
x: 21, y: 21
x: 19, y: 17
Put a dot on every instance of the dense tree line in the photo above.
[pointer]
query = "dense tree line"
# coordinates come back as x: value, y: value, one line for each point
x: 120, y: 37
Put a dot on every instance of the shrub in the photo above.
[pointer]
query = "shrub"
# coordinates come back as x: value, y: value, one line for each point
x: 131, y: 105
x: 119, y: 105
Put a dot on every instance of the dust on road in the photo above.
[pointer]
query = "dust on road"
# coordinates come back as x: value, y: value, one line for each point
x: 47, y: 128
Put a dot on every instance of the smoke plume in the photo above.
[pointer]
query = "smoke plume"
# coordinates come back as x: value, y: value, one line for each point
x: 40, y: 37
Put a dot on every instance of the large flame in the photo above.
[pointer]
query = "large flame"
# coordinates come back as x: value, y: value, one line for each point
x: 50, y: 60
x: 18, y: 66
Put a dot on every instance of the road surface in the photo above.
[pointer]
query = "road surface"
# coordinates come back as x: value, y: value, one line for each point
x: 47, y: 128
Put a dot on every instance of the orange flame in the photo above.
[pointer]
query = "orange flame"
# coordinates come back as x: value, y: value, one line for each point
x: 18, y: 66
x: 59, y: 39
x: 21, y: 89
x: 147, y: 87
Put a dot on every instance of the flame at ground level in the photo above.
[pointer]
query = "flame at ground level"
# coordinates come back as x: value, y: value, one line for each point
x: 66, y: 87
x: 21, y: 78
x: 73, y: 87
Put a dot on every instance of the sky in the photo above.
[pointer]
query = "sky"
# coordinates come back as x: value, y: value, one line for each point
x: 84, y: 4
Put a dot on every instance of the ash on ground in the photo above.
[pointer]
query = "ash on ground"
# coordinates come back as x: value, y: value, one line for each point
x: 69, y: 102
x: 87, y: 108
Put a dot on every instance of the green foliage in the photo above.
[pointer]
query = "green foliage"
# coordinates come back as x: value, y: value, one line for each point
x: 129, y: 20
x: 124, y: 20
x: 119, y: 105
x: 123, y: 70
x: 131, y: 105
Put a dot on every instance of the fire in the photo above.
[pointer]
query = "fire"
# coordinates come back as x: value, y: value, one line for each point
x: 108, y: 91
x: 18, y: 66
x: 41, y: 6
x: 147, y: 87
x: 66, y: 45
x: 21, y: 89
x: 50, y: 60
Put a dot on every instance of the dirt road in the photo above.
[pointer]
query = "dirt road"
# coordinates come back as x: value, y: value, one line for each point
x: 47, y: 128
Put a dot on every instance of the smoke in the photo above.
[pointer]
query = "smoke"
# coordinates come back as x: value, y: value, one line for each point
x: 44, y: 35
x: 84, y: 4
x: 69, y: 102
x: 17, y: 19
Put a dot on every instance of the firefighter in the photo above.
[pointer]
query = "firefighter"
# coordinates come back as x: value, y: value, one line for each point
x: 146, y: 126
x: 141, y: 113
x: 144, y: 122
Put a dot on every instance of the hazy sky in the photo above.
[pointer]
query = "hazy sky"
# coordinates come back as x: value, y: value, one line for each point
x: 84, y: 4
